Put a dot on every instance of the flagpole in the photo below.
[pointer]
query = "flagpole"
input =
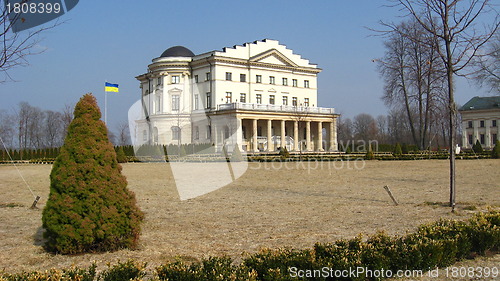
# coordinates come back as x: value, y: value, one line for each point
x: 105, y: 105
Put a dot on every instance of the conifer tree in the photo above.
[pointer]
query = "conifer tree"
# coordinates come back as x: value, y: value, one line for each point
x: 477, y: 147
x: 495, y: 153
x: 89, y: 208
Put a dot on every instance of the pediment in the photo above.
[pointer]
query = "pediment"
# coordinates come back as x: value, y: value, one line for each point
x: 273, y: 56
x: 175, y: 91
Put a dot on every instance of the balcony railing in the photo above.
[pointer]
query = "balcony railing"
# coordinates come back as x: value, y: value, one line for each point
x: 275, y: 108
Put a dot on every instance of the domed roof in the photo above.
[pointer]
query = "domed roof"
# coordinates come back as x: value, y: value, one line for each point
x: 177, y: 51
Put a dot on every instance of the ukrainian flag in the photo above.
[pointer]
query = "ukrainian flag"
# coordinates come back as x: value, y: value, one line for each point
x: 111, y: 87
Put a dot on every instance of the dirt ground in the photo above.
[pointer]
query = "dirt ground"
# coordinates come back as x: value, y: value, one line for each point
x: 271, y: 205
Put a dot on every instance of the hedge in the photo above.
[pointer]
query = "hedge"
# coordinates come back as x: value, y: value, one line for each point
x: 437, y: 244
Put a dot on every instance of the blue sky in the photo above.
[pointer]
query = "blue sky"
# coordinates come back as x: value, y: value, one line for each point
x: 116, y: 40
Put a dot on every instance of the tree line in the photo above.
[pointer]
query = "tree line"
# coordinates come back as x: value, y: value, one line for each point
x: 28, y: 127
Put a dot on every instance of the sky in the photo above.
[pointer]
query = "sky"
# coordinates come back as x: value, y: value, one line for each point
x: 114, y: 41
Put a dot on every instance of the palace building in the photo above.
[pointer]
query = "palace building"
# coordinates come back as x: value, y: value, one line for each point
x: 260, y: 96
x: 481, y: 121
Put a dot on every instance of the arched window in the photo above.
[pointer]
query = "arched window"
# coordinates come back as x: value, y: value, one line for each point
x: 176, y: 133
x: 196, y: 132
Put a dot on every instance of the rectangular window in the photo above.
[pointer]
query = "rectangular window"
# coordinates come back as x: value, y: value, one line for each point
x: 209, y: 132
x: 294, y: 101
x: 144, y: 135
x: 175, y: 102
x: 196, y: 102
x: 159, y: 80
x: 285, y: 100
x: 208, y: 76
x: 176, y: 133
x: 243, y: 78
x: 481, y: 123
x: 243, y: 98
x: 469, y: 124
x: 494, y: 138
x: 158, y: 104
x: 209, y: 100
x: 294, y: 82
x: 272, y: 80
x: 285, y: 81
x: 481, y: 136
x: 271, y: 99
x: 196, y: 79
x: 306, y: 83
x: 493, y: 123
x: 229, y: 76
x: 258, y: 78
x: 306, y: 101
x: 176, y: 79
x: 259, y: 98
x: 229, y: 97
x: 470, y: 139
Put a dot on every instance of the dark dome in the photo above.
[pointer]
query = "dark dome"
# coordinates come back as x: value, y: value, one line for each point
x: 177, y: 51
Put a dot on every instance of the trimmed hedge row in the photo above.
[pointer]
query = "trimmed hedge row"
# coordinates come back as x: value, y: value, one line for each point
x: 437, y: 244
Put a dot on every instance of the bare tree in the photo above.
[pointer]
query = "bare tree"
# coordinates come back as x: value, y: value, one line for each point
x: 344, y: 132
x: 123, y: 137
x: 53, y: 129
x: 488, y: 66
x: 365, y: 127
x: 414, y: 76
x: 453, y: 24
x: 7, y: 129
x: 67, y: 117
x: 16, y: 47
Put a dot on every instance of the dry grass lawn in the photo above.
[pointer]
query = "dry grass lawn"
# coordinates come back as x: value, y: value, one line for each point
x: 293, y: 206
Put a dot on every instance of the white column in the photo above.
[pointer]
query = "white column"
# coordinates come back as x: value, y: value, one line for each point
x: 215, y: 137
x: 475, y: 136
x: 296, y: 135
x: 283, y: 134
x: 465, y: 143
x: 333, y: 135
x: 254, y: 136
x: 320, y: 136
x: 270, y: 144
x: 487, y: 134
x: 308, y: 135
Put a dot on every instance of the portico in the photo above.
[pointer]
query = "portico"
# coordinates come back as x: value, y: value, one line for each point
x: 296, y: 128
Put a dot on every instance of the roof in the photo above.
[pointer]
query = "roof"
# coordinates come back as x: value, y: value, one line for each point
x: 482, y: 103
x: 177, y: 51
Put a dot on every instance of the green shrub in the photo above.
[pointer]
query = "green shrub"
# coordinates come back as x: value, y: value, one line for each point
x: 369, y: 154
x: 495, y: 153
x: 485, y: 232
x: 211, y: 269
x: 397, y: 150
x: 89, y: 208
x: 274, y: 264
x: 405, y: 149
x: 129, y: 270
x: 120, y: 155
x: 477, y: 148
x: 284, y: 154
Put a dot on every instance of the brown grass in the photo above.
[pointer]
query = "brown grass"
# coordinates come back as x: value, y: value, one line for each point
x: 293, y: 206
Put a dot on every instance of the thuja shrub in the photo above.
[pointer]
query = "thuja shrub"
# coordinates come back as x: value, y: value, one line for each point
x: 129, y: 270
x: 214, y: 268
x: 89, y: 208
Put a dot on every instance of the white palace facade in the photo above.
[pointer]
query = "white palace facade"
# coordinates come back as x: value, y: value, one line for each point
x: 260, y: 96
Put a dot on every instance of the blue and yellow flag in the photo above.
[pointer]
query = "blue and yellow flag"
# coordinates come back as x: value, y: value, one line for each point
x: 111, y: 87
